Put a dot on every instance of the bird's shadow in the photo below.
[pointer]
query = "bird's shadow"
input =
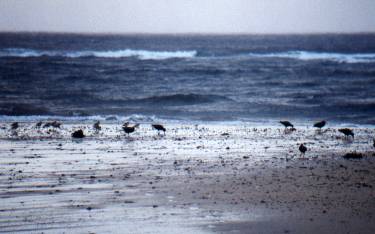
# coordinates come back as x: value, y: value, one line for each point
x: 14, y: 133
x: 77, y: 140
x: 158, y: 137
x: 347, y: 140
x: 303, y: 158
x: 129, y: 139
x: 289, y: 130
x: 320, y: 131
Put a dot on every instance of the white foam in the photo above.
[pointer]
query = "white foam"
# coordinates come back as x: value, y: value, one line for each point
x: 307, y: 55
x: 140, y: 54
x: 35, y: 118
x: 160, y: 55
x: 105, y: 118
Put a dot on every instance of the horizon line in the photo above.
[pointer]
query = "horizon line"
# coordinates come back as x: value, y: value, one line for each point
x: 189, y: 33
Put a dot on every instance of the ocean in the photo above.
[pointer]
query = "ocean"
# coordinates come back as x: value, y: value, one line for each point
x: 188, y: 77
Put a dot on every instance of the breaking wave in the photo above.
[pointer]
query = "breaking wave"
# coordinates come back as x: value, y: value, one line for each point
x: 307, y: 55
x: 140, y: 54
x: 105, y: 118
x: 160, y: 55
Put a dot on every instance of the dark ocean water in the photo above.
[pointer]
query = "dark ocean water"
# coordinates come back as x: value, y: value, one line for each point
x: 218, y: 78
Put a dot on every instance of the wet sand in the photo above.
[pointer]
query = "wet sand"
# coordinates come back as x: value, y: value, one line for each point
x: 196, y: 179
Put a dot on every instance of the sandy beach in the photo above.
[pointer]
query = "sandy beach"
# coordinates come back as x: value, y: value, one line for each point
x: 207, y: 178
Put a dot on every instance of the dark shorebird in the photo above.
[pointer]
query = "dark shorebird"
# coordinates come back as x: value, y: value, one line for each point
x: 320, y: 124
x: 97, y: 126
x: 129, y: 129
x: 54, y: 124
x: 159, y: 127
x: 39, y: 124
x: 289, y: 128
x: 47, y: 125
x: 14, y: 125
x: 286, y: 124
x: 347, y: 132
x: 302, y: 149
x: 78, y: 134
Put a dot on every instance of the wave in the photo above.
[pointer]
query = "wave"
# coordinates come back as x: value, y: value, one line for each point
x: 105, y: 118
x: 341, y: 121
x: 308, y: 55
x: 139, y: 54
x: 161, y: 55
x: 179, y: 99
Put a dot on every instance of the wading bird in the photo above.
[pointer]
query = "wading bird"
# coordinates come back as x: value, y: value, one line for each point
x: 347, y: 132
x: 53, y: 124
x: 78, y: 134
x: 14, y: 125
x: 129, y: 129
x: 302, y: 149
x: 159, y: 127
x: 286, y: 124
x: 97, y: 126
x: 39, y: 124
x: 320, y: 124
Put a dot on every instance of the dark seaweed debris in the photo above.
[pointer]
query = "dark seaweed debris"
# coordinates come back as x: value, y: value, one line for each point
x: 353, y: 155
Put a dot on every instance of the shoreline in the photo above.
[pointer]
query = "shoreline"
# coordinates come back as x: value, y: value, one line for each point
x: 203, y: 179
x: 301, y: 122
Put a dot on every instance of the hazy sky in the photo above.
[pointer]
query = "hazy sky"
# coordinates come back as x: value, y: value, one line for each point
x: 184, y: 16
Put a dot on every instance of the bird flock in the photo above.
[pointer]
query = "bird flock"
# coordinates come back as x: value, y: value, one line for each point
x: 128, y: 129
x: 319, y: 125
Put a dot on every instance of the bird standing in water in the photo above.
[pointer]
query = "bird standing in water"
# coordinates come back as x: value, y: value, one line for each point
x: 97, y: 126
x: 14, y: 125
x: 53, y: 124
x: 286, y: 124
x: 347, y: 132
x: 129, y: 129
x: 320, y: 124
x: 159, y: 127
x: 302, y: 149
x: 39, y: 124
x: 78, y: 134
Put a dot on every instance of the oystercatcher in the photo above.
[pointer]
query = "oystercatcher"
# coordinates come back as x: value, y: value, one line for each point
x: 129, y: 129
x: 159, y: 127
x: 302, y: 149
x: 347, y: 132
x: 320, y: 124
x: 97, y: 126
x: 287, y: 124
